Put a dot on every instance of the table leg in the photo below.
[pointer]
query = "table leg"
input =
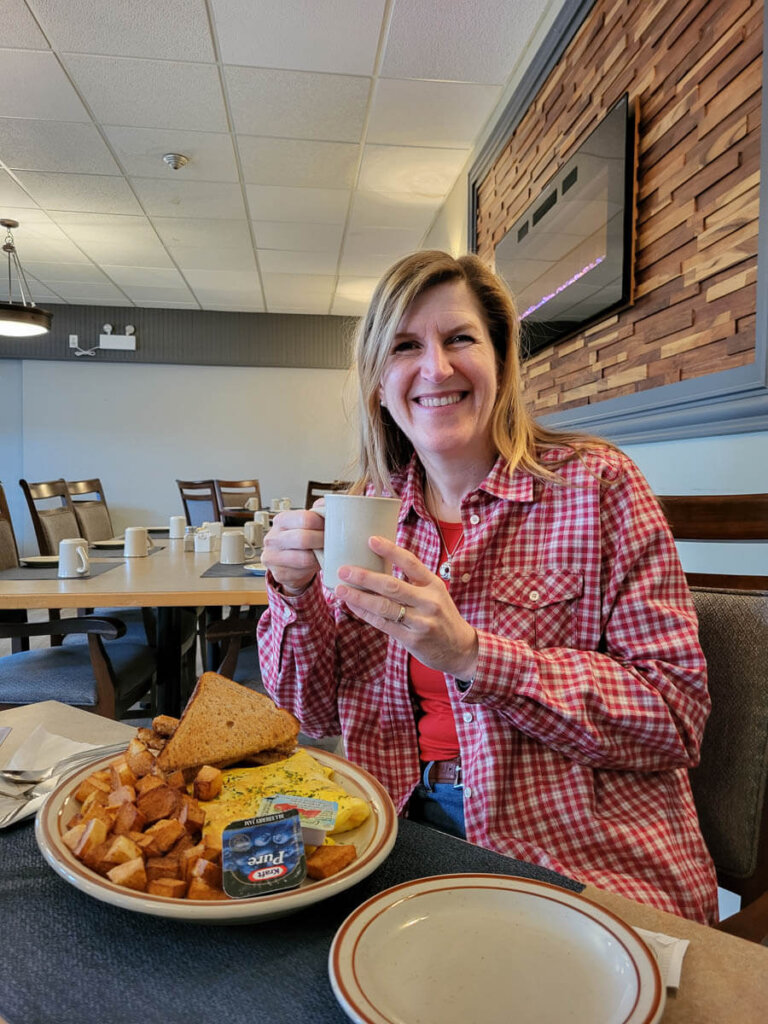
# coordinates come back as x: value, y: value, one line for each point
x: 175, y: 659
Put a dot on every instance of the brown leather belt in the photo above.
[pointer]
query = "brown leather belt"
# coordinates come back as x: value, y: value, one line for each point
x: 443, y: 771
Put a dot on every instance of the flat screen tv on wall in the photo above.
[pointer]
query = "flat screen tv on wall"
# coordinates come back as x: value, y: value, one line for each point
x: 569, y: 257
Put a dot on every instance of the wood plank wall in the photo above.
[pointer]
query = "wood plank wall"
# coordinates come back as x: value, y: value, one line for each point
x: 695, y: 69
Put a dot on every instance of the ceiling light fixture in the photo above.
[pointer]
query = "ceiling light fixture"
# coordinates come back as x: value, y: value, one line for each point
x: 175, y: 160
x: 25, y: 319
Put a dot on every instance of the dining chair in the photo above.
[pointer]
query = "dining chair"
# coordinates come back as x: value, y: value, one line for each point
x: 81, y: 670
x: 92, y: 513
x: 730, y: 784
x: 316, y: 489
x: 235, y: 493
x: 199, y: 500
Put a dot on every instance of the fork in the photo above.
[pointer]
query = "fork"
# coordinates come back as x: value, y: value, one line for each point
x: 31, y: 802
x: 66, y: 763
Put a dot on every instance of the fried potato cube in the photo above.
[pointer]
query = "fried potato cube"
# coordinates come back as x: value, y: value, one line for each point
x: 163, y: 867
x: 129, y: 819
x: 95, y: 859
x: 164, y: 725
x: 207, y: 870
x: 139, y: 757
x: 208, y: 782
x: 194, y: 853
x: 175, y: 888
x: 176, y: 780
x: 121, y: 774
x: 105, y: 814
x: 146, y: 843
x: 89, y: 785
x: 73, y: 835
x: 148, y: 783
x: 95, y: 832
x: 329, y: 860
x: 150, y: 738
x: 121, y: 849
x: 161, y: 802
x: 165, y: 833
x: 121, y: 795
x: 96, y: 796
x: 185, y: 843
x: 132, y: 874
x: 199, y: 889
x: 191, y: 814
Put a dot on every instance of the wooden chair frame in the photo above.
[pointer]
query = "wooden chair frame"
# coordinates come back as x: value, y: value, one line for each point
x: 41, y: 491
x: 316, y: 489
x: 192, y: 491
x: 227, y: 492
x: 81, y: 487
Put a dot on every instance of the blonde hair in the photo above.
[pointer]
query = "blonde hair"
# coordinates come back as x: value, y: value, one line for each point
x: 516, y: 436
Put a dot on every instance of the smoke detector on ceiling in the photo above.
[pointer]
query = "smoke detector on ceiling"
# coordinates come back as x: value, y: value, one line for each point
x: 176, y: 160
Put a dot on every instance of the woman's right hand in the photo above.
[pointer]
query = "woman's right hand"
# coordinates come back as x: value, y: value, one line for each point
x: 289, y: 548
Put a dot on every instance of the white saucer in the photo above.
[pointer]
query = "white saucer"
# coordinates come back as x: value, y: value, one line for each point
x: 40, y: 560
x: 456, y: 948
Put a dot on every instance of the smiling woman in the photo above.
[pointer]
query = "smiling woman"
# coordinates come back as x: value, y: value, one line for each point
x: 530, y: 677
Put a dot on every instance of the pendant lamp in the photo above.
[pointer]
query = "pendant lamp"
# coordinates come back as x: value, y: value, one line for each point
x: 24, y: 319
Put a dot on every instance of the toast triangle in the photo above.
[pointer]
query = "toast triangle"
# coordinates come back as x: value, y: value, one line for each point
x: 225, y: 722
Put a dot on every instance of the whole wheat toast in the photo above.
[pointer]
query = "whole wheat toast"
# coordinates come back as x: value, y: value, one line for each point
x: 224, y: 723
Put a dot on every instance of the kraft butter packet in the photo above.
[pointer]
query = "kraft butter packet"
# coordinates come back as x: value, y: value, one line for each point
x: 317, y: 816
x: 263, y: 855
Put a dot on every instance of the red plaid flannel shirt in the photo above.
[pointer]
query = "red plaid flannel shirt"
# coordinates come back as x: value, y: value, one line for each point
x: 589, y: 701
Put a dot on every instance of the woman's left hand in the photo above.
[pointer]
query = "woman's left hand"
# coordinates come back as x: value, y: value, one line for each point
x: 430, y: 628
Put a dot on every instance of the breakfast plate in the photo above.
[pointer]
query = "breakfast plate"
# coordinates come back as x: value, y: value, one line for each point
x: 40, y: 560
x: 373, y: 839
x: 110, y: 542
x: 256, y: 568
x: 435, y: 950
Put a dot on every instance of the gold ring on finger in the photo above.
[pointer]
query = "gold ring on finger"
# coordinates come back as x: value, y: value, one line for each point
x: 400, y: 615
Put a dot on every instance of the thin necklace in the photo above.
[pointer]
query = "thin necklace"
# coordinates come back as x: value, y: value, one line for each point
x: 444, y: 569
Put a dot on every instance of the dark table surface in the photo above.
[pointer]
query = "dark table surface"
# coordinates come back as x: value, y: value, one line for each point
x: 67, y: 957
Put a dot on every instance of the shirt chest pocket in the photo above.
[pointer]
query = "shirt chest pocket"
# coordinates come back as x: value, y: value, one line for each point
x: 537, y: 607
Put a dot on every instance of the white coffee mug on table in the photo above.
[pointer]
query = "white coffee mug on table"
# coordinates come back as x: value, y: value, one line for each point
x: 73, y: 558
x: 254, y: 534
x: 274, y: 505
x: 252, y: 505
x: 234, y: 548
x: 176, y: 527
x: 262, y: 518
x: 137, y: 542
x: 350, y: 521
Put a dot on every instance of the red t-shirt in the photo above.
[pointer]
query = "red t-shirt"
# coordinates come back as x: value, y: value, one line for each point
x: 437, y: 730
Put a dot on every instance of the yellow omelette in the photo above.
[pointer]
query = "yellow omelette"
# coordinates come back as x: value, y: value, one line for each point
x: 298, y: 775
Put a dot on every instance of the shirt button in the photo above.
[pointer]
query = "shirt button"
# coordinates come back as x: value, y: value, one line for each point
x: 468, y: 716
x: 465, y: 577
x: 534, y: 595
x: 474, y: 519
x: 467, y: 792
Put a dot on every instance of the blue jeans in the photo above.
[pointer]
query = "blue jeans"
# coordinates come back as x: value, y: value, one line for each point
x: 440, y: 806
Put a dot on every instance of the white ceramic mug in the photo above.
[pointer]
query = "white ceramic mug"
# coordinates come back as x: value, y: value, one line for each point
x: 262, y: 518
x: 254, y: 534
x: 252, y: 505
x: 137, y: 542
x: 350, y: 520
x: 274, y: 505
x: 73, y: 558
x: 176, y: 527
x: 234, y: 548
x: 285, y: 504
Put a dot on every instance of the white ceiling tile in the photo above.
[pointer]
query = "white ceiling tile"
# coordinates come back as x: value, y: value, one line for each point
x: 170, y: 29
x: 28, y: 144
x: 237, y: 307
x: 32, y: 84
x: 394, y: 210
x: 335, y: 35
x: 52, y: 250
x: 95, y: 193
x: 459, y: 41
x: 19, y: 27
x: 304, y: 237
x: 43, y: 295
x: 51, y: 273
x: 248, y: 301
x: 298, y: 163
x: 93, y: 227
x: 222, y: 234
x: 149, y: 93
x: 424, y: 172
x: 13, y: 195
x: 447, y: 114
x: 164, y: 304
x: 224, y: 280
x: 121, y: 241
x: 295, y: 291
x: 208, y: 199
x: 148, y: 293
x: 393, y: 242
x: 367, y: 264
x: 209, y: 257
x: 273, y: 261
x: 136, y: 277
x: 141, y: 150
x: 89, y: 292
x: 297, y: 104
x: 314, y: 205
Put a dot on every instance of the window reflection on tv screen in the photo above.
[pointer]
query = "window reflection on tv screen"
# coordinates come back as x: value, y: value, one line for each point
x: 568, y: 258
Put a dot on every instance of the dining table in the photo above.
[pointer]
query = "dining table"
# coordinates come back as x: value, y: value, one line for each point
x: 69, y: 958
x: 169, y: 579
